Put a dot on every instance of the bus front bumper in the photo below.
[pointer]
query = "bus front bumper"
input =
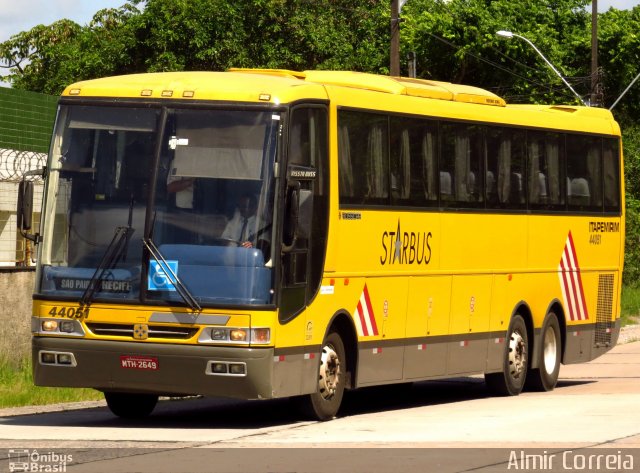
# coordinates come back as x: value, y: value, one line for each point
x: 156, y: 368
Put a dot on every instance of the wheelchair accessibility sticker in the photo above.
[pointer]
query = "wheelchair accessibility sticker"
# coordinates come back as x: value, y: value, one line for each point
x: 160, y: 277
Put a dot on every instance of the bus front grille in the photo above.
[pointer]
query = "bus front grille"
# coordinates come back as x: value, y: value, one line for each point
x: 154, y: 331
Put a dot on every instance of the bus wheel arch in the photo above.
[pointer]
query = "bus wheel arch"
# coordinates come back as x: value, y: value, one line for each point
x: 342, y: 323
x: 336, y: 370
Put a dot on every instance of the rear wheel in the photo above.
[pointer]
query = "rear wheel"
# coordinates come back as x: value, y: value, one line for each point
x: 511, y: 380
x: 324, y: 404
x: 545, y: 376
x: 131, y: 406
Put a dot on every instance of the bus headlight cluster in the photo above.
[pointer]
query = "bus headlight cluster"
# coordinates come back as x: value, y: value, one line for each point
x: 57, y: 326
x: 261, y: 336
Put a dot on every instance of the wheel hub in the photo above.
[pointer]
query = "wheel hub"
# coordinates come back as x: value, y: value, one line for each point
x: 517, y: 355
x: 550, y: 350
x: 329, y: 373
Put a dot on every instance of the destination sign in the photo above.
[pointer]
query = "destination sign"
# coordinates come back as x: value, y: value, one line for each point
x: 81, y: 284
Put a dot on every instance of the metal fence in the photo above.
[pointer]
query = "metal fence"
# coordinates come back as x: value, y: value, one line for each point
x: 14, y: 249
x: 13, y: 164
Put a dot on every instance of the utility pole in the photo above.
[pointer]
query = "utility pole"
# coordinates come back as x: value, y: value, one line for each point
x: 595, y: 74
x: 394, y: 53
x: 412, y: 63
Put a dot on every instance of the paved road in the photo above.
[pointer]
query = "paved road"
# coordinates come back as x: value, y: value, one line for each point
x: 595, y: 406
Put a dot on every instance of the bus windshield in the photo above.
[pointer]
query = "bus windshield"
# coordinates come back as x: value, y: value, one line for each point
x: 210, y: 218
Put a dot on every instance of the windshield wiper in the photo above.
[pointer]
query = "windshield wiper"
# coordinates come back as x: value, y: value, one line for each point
x: 112, y: 254
x: 173, y: 277
x: 117, y: 248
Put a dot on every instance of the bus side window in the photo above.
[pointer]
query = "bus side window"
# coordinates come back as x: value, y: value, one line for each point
x: 363, y: 147
x: 584, y: 173
x: 463, y: 159
x: 545, y: 170
x: 505, y: 168
x: 413, y: 162
x: 611, y: 167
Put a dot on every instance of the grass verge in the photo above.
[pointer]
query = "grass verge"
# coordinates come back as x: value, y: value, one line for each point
x: 17, y: 389
x: 630, y: 305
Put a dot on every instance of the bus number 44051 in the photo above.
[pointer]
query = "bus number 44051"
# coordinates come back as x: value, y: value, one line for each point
x: 70, y: 312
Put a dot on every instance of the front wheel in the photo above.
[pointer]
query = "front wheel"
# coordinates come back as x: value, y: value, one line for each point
x: 325, y: 402
x: 545, y: 376
x: 131, y: 406
x: 511, y: 380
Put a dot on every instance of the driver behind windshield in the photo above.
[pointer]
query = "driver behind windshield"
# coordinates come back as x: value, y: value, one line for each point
x: 242, y: 226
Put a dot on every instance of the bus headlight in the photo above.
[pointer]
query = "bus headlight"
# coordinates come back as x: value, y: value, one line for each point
x: 67, y: 326
x: 49, y: 325
x: 258, y: 336
x: 219, y: 334
x: 57, y: 326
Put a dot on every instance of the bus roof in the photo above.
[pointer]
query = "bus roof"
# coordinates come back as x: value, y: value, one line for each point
x: 285, y: 86
x: 243, y: 81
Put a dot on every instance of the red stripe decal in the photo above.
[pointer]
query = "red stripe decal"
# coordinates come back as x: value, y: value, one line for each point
x: 579, y: 277
x: 372, y: 317
x: 571, y: 281
x: 566, y: 288
x: 365, y: 331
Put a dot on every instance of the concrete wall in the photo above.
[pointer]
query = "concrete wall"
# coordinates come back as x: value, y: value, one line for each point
x: 16, y: 288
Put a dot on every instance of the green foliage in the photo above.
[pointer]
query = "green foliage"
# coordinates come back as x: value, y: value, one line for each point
x: 630, y: 305
x: 17, y: 389
x: 456, y: 40
x: 631, y: 141
x: 174, y: 35
x: 619, y: 41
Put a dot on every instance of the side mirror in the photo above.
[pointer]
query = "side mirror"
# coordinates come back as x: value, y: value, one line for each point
x: 25, y: 206
x: 24, y: 211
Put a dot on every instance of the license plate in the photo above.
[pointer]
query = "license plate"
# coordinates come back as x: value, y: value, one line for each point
x: 139, y: 362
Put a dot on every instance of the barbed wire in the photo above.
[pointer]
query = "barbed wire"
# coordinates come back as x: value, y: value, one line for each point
x: 13, y: 163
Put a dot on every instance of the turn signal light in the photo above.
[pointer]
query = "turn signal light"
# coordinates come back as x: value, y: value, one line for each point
x: 260, y: 335
x: 238, y: 335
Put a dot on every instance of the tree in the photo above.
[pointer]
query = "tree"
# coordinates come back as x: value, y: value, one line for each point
x: 620, y: 58
x: 173, y: 35
x: 47, y: 58
x: 456, y: 41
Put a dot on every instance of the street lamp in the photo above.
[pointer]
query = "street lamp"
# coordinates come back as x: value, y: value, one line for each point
x: 625, y: 91
x: 509, y: 35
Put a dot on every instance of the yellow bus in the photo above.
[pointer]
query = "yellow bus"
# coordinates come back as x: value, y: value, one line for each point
x: 259, y: 234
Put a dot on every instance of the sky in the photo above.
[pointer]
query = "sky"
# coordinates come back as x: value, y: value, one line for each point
x: 22, y: 15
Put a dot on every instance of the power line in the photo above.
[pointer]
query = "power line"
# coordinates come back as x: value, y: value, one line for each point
x: 494, y: 64
x: 577, y: 80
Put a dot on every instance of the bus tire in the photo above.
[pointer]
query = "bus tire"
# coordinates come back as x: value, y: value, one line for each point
x: 545, y: 376
x: 129, y: 405
x: 325, y: 402
x: 510, y: 381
